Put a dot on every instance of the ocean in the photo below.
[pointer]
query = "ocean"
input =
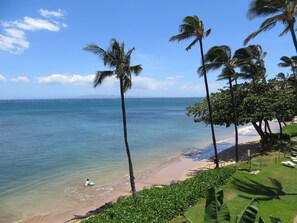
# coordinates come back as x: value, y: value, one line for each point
x: 48, y: 148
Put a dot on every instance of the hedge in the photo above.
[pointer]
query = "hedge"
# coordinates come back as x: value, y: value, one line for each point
x: 157, y: 205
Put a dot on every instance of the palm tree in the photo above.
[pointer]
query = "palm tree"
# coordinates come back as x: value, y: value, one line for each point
x: 250, y: 59
x: 291, y: 62
x: 220, y: 56
x: 115, y: 57
x: 194, y: 27
x: 283, y: 11
x: 284, y: 80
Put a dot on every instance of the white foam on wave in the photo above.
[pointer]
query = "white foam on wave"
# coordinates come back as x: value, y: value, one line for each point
x: 246, y: 130
x: 82, y: 193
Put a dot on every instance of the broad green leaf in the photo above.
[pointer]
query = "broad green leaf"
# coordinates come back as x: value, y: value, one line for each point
x: 215, y: 209
x: 249, y: 215
x: 274, y: 220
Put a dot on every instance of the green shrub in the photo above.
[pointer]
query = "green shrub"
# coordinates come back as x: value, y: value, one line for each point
x: 157, y: 205
x: 290, y: 130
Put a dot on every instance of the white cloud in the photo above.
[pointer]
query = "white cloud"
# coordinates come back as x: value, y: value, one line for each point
x: 66, y: 79
x: 174, y: 77
x: 46, y: 13
x: 32, y: 24
x: 14, y: 42
x: 14, y: 38
x: 2, y: 78
x: 152, y: 84
x: 20, y: 79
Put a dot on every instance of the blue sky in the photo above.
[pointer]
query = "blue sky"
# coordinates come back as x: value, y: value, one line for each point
x: 41, y: 45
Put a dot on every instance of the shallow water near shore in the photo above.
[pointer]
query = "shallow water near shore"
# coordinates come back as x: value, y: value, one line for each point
x: 49, y: 148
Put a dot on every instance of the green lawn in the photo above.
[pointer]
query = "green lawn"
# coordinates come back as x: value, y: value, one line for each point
x: 275, y: 186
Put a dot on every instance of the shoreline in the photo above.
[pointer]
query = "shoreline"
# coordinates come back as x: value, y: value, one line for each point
x: 178, y: 168
x: 174, y: 169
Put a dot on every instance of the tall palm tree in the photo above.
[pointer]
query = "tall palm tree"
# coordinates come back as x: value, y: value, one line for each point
x: 115, y: 57
x: 215, y: 58
x: 282, y: 11
x: 193, y: 27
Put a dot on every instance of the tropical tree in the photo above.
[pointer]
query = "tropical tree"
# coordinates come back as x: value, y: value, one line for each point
x: 215, y: 58
x: 289, y: 62
x: 116, y: 57
x: 292, y: 80
x: 193, y: 27
x: 272, y: 103
x: 250, y: 60
x: 281, y: 11
x: 284, y: 80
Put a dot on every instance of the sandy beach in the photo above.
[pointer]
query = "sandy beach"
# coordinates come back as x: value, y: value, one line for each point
x: 176, y: 169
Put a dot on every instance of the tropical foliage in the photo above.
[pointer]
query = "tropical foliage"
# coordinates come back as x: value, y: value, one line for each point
x: 117, y: 58
x: 217, y: 211
x: 272, y: 103
x: 281, y: 11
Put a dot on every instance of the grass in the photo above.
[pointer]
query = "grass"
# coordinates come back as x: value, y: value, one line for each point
x: 275, y: 186
x: 290, y: 130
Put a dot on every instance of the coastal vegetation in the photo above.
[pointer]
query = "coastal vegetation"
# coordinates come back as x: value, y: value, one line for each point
x: 274, y: 187
x: 271, y: 103
x: 161, y: 204
x: 116, y: 57
x: 194, y: 27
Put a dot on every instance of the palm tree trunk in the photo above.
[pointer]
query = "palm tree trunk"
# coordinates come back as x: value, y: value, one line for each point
x: 234, y: 116
x: 132, y: 182
x: 209, y: 107
x: 291, y: 27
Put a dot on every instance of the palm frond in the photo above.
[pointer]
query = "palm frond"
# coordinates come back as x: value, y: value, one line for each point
x: 127, y: 82
x: 207, y: 32
x: 285, y: 31
x: 101, y: 75
x: 136, y: 69
x: 263, y: 8
x: 192, y: 44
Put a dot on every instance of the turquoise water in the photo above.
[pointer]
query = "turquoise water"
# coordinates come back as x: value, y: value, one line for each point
x: 49, y: 147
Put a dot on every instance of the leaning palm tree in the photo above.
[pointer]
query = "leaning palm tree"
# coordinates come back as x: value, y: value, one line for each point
x: 282, y: 11
x: 215, y: 58
x: 194, y: 27
x: 115, y: 57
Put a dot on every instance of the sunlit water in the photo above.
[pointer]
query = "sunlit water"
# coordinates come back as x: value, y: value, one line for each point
x: 49, y: 147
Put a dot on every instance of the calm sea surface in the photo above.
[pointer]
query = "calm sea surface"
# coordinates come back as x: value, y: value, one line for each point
x: 49, y: 147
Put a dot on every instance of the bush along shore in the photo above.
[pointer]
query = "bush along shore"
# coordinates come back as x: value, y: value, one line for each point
x: 161, y: 204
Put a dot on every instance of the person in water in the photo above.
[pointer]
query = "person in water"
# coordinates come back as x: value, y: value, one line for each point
x: 87, y: 182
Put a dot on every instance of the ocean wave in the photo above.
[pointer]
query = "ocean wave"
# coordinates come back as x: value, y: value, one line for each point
x: 247, y: 130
